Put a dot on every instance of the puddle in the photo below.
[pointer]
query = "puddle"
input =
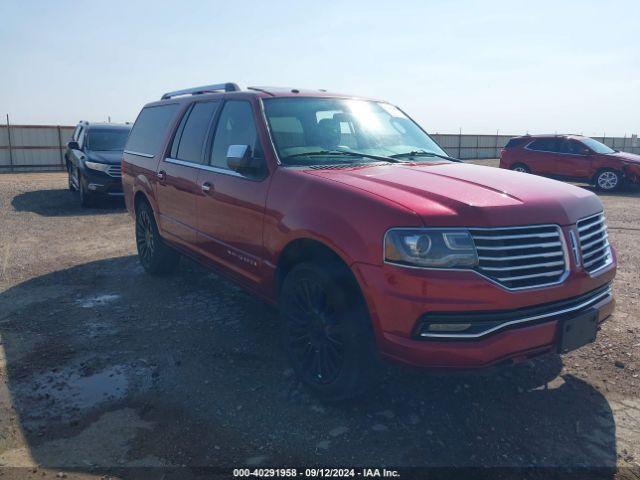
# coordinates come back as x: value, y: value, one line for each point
x: 66, y: 393
x: 80, y: 391
x: 97, y: 301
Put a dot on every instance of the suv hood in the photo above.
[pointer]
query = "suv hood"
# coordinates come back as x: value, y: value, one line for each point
x: 459, y: 194
x: 112, y: 158
x: 626, y: 156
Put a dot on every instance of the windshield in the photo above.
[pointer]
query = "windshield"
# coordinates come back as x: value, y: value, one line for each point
x: 112, y: 139
x: 596, y: 146
x: 312, y: 131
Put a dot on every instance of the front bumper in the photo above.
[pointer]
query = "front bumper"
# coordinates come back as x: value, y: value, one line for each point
x: 516, y: 325
x: 100, y: 183
x: 632, y: 174
x: 476, y: 325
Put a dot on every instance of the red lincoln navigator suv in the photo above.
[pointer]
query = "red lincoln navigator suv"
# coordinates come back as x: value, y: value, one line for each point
x: 371, y: 241
x: 572, y: 158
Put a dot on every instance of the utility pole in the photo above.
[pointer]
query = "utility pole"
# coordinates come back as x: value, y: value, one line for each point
x: 9, y: 142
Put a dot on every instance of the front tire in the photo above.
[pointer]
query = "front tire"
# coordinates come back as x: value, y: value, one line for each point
x: 72, y: 187
x: 608, y: 180
x: 87, y: 199
x: 326, y: 331
x: 156, y: 257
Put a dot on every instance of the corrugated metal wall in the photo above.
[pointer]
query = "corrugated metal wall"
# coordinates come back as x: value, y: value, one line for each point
x: 488, y: 146
x: 41, y: 147
x: 33, y: 147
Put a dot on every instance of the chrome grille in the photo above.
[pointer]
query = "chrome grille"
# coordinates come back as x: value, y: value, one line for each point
x: 594, y: 243
x: 521, y: 257
x: 114, y: 171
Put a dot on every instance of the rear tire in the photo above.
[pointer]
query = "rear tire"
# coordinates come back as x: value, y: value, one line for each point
x: 156, y: 257
x: 520, y: 167
x: 327, y: 332
x: 608, y: 180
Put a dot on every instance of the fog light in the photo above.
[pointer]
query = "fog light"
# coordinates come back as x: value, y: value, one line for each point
x: 94, y: 186
x: 448, y: 327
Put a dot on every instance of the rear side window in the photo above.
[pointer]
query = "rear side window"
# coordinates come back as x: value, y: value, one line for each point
x: 190, y: 137
x: 235, y: 127
x: 515, y: 142
x: 546, y: 145
x: 150, y: 129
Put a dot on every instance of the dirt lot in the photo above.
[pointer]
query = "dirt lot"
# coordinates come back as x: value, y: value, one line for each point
x: 103, y: 367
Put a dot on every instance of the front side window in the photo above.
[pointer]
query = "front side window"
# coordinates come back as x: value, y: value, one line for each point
x: 574, y: 147
x: 597, y: 146
x: 235, y: 127
x: 107, y: 140
x: 150, y: 128
x: 191, y: 135
x: 303, y: 129
x: 81, y: 138
x: 78, y: 134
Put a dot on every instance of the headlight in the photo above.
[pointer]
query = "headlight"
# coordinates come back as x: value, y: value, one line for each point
x: 430, y: 247
x: 102, y: 167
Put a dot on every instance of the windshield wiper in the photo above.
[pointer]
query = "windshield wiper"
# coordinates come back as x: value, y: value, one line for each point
x: 424, y: 153
x: 343, y: 152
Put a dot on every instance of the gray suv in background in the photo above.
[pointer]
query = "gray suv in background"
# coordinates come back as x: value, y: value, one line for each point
x: 93, y: 158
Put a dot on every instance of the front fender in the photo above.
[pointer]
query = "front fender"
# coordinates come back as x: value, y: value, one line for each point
x: 350, y: 221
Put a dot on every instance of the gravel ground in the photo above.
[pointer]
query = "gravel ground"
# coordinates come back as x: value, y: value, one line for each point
x: 103, y: 367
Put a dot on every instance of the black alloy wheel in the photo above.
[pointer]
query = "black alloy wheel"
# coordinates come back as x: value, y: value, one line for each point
x: 326, y: 330
x: 155, y: 255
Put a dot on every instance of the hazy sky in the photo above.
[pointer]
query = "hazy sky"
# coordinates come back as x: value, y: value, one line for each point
x: 559, y: 66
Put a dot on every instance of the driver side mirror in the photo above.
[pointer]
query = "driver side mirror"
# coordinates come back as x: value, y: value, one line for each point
x: 73, y: 145
x: 239, y: 157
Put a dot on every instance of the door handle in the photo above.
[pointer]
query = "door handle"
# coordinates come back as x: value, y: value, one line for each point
x: 162, y: 175
x: 207, y: 187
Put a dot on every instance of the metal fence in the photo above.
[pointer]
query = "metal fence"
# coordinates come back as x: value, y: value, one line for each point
x: 41, y: 147
x: 33, y: 148
x: 466, y: 146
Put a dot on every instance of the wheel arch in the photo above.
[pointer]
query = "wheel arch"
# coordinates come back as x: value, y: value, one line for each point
x: 306, y: 249
x: 138, y: 197
x: 136, y: 189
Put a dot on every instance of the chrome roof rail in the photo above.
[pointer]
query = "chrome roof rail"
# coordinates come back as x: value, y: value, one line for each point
x: 219, y: 87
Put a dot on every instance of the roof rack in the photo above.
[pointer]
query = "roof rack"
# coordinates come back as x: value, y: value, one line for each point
x: 261, y: 89
x: 218, y: 87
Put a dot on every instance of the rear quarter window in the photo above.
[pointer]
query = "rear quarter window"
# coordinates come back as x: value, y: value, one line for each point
x: 150, y: 129
x: 515, y: 142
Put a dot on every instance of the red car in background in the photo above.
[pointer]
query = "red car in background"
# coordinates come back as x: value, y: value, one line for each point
x: 572, y: 158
